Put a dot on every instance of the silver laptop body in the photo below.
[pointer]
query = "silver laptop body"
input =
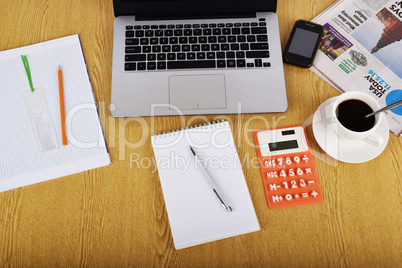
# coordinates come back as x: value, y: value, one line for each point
x: 243, y: 85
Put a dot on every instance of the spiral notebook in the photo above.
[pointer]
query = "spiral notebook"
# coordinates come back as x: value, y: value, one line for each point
x: 22, y: 159
x: 195, y: 213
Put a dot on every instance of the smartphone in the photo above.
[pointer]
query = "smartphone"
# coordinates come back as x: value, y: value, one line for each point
x: 303, y: 43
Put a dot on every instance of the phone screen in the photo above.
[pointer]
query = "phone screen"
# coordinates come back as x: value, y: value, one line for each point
x: 303, y: 42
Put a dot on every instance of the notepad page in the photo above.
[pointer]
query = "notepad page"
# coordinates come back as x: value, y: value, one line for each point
x: 195, y: 214
x: 19, y: 154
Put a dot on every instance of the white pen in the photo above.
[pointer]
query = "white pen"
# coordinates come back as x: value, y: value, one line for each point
x: 215, y: 186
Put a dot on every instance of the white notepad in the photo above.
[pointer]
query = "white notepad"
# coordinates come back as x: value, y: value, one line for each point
x: 195, y: 213
x: 21, y: 161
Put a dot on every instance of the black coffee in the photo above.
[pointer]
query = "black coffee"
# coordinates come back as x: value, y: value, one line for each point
x: 352, y: 115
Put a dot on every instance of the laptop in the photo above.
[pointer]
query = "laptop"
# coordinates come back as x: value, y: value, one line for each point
x: 195, y: 57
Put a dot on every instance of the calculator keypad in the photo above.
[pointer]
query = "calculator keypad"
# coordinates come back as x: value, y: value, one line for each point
x: 290, y: 180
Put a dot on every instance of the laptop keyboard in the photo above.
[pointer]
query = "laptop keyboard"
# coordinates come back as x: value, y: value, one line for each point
x: 196, y: 46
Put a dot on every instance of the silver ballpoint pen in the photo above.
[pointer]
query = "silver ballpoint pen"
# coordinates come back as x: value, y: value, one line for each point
x: 215, y: 186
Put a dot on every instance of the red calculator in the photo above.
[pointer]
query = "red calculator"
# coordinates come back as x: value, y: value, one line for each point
x: 287, y: 167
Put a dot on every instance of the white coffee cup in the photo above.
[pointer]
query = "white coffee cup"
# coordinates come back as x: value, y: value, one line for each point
x: 370, y: 136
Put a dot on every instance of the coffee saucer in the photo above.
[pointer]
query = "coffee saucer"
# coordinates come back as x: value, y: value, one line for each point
x: 350, y: 152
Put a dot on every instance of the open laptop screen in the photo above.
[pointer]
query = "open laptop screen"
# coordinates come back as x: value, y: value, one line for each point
x: 154, y: 9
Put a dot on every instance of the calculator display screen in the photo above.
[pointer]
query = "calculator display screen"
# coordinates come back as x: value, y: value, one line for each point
x: 283, y: 145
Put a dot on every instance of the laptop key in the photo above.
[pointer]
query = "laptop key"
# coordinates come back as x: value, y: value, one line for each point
x: 201, y: 55
x: 134, y: 49
x: 230, y: 55
x: 144, y: 41
x: 197, y: 32
x: 146, y: 49
x: 165, y: 48
x: 262, y: 38
x: 130, y: 66
x: 258, y: 62
x: 178, y: 32
x: 181, y: 56
x: 129, y: 33
x: 171, y: 56
x: 154, y: 41
x: 240, y: 54
x: 161, y: 56
x: 241, y: 63
x: 132, y: 42
x: 225, y: 47
x: 226, y: 31
x: 241, y: 38
x: 135, y: 57
x: 212, y: 39
x: 156, y: 49
x: 183, y: 40
x: 220, y: 55
x: 205, y: 47
x: 221, y: 63
x: 151, y: 66
x: 258, y: 30
x: 141, y: 65
x: 214, y: 47
x: 139, y: 33
x: 216, y: 31
x: 164, y: 40
x: 202, y: 39
x: 259, y: 46
x: 245, y: 30
x: 257, y: 54
x: 151, y: 57
x: 195, y: 48
x: 231, y: 63
x: 234, y: 46
x: 169, y: 32
x: 191, y: 56
x: 250, y: 38
x: 188, y: 64
x: 161, y: 65
x: 175, y: 48
x: 210, y: 55
x: 149, y: 33
x: 236, y: 31
x: 173, y: 40
x: 207, y: 32
x: 185, y: 48
x: 244, y: 46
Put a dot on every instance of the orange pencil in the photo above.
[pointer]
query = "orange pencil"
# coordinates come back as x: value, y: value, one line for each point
x: 62, y: 115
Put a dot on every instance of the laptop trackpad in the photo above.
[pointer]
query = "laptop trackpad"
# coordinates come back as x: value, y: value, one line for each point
x: 197, y: 91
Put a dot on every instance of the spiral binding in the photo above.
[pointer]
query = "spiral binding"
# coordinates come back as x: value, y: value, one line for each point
x: 213, y: 124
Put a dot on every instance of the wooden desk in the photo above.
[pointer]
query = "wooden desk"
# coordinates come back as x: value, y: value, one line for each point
x: 115, y: 216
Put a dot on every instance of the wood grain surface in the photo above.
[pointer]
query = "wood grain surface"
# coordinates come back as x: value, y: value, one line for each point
x: 115, y: 216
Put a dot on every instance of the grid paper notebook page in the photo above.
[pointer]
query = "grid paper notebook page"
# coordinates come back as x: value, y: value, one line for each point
x: 195, y: 214
x: 22, y: 163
